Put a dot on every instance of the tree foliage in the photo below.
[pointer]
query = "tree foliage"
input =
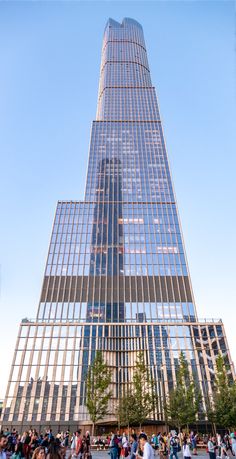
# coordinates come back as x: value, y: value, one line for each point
x: 144, y: 394
x: 126, y: 409
x: 184, y: 399
x: 97, y: 389
x: 224, y: 396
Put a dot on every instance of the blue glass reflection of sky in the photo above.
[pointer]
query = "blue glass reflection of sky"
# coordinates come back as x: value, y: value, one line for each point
x: 50, y: 62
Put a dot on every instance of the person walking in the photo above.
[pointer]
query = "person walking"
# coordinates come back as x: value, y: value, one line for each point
x: 174, y: 446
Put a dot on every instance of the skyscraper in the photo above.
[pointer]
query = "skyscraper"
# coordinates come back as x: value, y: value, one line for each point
x: 116, y: 277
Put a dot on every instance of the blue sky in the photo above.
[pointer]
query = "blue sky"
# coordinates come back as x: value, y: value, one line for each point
x: 50, y: 58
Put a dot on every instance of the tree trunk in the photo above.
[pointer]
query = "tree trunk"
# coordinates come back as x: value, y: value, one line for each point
x: 93, y: 429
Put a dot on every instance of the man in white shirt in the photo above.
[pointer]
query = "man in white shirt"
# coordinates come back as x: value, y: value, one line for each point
x: 3, y: 444
x: 147, y: 448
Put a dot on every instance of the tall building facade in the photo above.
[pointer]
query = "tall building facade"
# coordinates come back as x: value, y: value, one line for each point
x: 116, y: 277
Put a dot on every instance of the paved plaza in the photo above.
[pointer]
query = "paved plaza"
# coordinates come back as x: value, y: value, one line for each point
x: 104, y: 454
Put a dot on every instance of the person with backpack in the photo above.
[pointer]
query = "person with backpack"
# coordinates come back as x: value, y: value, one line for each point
x: 174, y: 446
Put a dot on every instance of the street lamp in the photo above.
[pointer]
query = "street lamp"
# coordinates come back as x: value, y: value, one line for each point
x: 163, y: 396
x: 119, y: 394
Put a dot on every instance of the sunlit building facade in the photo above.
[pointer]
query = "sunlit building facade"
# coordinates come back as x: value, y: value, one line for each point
x: 116, y: 277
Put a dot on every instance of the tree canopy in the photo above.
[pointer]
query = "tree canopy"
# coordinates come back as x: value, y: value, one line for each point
x: 97, y: 389
x: 184, y: 399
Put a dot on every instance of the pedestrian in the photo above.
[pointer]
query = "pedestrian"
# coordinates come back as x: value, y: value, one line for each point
x: 134, y: 445
x: 186, y: 449
x: 54, y: 450
x: 163, y: 450
x: 227, y: 443
x: 125, y: 446
x: 119, y: 439
x: 211, y: 445
x: 39, y: 453
x: 233, y: 439
x: 33, y: 440
x: 218, y: 441
x: 223, y: 449
x: 26, y: 448
x: 114, y: 446
x: 148, y: 452
x: 193, y: 439
x: 174, y: 446
x: 78, y: 444
x: 18, y: 453
x: 3, y: 445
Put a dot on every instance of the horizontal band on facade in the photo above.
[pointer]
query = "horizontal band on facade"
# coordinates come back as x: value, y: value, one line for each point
x: 116, y: 289
x: 123, y: 62
x: 127, y: 121
x: 123, y: 87
x: 121, y: 202
x: 123, y: 41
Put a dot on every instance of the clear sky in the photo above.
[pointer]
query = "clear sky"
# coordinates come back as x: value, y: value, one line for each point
x: 49, y: 60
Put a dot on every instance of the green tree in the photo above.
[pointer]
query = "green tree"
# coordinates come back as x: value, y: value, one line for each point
x: 184, y: 399
x: 224, y: 396
x: 233, y: 406
x: 144, y: 393
x: 126, y: 409
x: 97, y: 389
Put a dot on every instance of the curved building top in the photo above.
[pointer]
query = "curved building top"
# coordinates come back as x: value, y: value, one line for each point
x: 128, y: 29
x: 126, y: 22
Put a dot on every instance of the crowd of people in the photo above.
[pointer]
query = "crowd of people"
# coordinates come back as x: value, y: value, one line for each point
x: 32, y: 445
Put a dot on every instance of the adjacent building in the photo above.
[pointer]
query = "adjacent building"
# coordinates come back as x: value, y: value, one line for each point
x: 116, y: 277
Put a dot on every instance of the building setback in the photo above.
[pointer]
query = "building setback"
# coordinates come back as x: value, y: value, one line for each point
x: 116, y: 277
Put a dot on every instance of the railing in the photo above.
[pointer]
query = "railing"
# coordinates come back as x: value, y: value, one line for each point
x: 26, y: 320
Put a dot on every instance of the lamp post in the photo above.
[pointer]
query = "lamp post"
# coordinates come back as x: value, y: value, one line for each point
x: 163, y: 396
x: 119, y: 395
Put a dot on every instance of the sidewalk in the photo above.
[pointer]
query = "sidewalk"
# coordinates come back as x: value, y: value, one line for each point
x: 104, y: 455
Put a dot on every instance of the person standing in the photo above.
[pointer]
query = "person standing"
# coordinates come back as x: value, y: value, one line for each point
x: 186, y: 449
x: 26, y: 448
x: 78, y: 443
x: 193, y: 439
x: 134, y: 445
x: 148, y: 452
x: 163, y: 450
x: 114, y: 446
x: 233, y: 440
x: 211, y: 446
x: 218, y: 439
x: 3, y: 445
